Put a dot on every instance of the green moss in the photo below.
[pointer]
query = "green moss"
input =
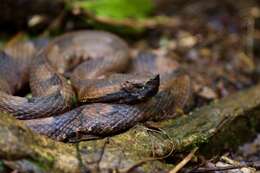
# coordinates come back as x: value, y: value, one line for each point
x: 40, y: 165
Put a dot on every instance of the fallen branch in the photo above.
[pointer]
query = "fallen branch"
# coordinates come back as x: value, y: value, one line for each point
x: 213, y: 125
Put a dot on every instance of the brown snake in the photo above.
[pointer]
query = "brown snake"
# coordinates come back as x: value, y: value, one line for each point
x: 115, y: 91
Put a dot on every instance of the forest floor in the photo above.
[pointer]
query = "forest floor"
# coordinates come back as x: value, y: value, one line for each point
x: 217, y: 44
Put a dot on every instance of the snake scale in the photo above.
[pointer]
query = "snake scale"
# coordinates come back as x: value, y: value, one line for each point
x: 114, y: 91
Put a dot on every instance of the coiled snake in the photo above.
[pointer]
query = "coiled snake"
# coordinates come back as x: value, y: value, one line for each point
x: 115, y: 91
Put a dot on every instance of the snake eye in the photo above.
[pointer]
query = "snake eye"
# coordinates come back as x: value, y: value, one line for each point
x: 72, y: 135
x: 139, y: 86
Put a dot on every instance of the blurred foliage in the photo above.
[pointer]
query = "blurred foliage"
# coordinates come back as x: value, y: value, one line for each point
x: 115, y: 10
x: 3, y: 40
x: 2, y: 168
x: 118, y: 9
x: 126, y: 32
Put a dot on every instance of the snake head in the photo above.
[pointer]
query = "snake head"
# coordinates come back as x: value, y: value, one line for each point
x: 77, y: 136
x: 140, y: 88
x: 121, y: 88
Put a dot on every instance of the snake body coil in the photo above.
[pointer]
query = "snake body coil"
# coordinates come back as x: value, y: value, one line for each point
x: 115, y: 91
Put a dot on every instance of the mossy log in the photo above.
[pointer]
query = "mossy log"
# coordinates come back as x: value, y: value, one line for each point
x: 231, y: 120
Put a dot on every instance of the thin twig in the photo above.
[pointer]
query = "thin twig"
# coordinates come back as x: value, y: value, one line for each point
x: 230, y: 161
x: 82, y: 166
x: 255, y: 165
x: 102, y: 152
x: 250, y: 36
x: 140, y: 163
x: 217, y: 169
x: 180, y: 165
x: 15, y: 39
x: 56, y: 23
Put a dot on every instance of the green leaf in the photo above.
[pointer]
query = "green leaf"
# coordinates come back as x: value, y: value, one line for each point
x: 118, y: 9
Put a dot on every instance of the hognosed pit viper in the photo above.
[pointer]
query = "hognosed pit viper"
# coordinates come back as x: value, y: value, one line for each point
x: 115, y: 91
